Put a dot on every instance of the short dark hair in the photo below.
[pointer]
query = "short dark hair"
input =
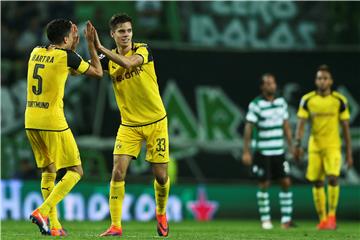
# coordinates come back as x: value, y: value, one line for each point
x: 324, y: 67
x: 119, y: 18
x: 261, y: 80
x: 57, y: 29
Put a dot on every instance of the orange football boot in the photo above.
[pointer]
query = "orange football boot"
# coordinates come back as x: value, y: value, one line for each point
x: 112, y: 231
x: 162, y: 225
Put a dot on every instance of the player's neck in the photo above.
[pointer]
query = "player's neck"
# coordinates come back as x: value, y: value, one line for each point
x: 324, y: 93
x: 123, y: 51
x: 268, y: 97
x: 63, y: 46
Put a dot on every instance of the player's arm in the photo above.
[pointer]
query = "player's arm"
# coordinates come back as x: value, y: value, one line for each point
x: 288, y: 135
x: 347, y: 138
x: 303, y: 114
x: 344, y: 118
x: 246, y: 157
x: 124, y: 61
x: 298, y: 137
x: 251, y: 120
x: 95, y: 69
x: 287, y: 128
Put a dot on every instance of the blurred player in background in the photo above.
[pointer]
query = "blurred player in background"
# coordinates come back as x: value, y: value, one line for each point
x: 50, y: 137
x: 326, y: 110
x: 268, y: 114
x: 143, y: 118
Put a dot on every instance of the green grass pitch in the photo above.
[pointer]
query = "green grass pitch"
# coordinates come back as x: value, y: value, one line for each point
x: 219, y: 229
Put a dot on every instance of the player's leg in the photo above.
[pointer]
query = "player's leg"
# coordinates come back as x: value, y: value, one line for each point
x: 161, y: 186
x: 48, y: 173
x: 161, y: 189
x: 286, y: 203
x: 261, y: 169
x: 63, y: 149
x: 48, y: 177
x: 332, y: 166
x: 117, y: 193
x: 281, y: 170
x: 127, y: 147
x: 61, y: 189
x: 263, y: 201
x: 315, y: 174
x: 157, y: 144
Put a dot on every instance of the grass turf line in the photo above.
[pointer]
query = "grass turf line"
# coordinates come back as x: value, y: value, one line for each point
x: 219, y: 229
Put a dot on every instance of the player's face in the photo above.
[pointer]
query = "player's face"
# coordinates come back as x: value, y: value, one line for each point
x: 122, y: 34
x: 323, y: 80
x: 269, y: 85
x: 72, y: 39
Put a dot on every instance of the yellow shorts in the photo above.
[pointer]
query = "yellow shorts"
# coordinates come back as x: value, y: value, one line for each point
x: 54, y: 147
x: 323, y: 163
x: 129, y: 139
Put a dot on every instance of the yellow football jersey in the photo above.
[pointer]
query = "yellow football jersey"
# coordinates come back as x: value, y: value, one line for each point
x: 136, y: 89
x: 48, y: 69
x: 325, y: 114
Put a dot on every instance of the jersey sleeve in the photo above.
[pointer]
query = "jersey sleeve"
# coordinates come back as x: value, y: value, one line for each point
x: 344, y: 109
x: 104, y: 61
x: 303, y: 111
x: 253, y: 113
x: 145, y: 52
x: 76, y: 62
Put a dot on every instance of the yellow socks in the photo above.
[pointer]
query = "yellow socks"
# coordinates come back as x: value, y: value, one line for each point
x: 47, y: 185
x: 61, y: 189
x: 161, y: 196
x: 320, y: 202
x: 117, y: 193
x: 333, y: 199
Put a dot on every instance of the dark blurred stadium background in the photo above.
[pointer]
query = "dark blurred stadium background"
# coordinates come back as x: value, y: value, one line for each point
x: 208, y: 58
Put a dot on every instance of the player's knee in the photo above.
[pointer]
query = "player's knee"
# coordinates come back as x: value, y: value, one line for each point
x: 318, y: 184
x: 264, y: 184
x: 286, y: 183
x: 80, y: 172
x: 333, y: 180
x: 77, y: 169
x: 118, y: 175
x: 161, y: 178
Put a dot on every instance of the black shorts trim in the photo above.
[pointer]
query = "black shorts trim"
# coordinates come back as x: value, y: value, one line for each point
x: 47, y: 130
x: 144, y: 124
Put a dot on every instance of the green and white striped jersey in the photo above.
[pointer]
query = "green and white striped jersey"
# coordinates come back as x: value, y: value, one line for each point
x: 268, y: 118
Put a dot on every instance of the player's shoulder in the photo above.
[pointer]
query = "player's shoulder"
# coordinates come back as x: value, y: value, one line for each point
x: 339, y: 96
x: 280, y: 99
x: 309, y: 95
x: 136, y: 45
x: 256, y: 100
x: 38, y: 49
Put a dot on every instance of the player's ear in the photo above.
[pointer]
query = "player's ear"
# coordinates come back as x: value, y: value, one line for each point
x: 112, y: 33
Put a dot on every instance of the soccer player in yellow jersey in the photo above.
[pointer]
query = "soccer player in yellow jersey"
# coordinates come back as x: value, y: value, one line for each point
x: 50, y: 137
x: 143, y: 118
x: 326, y: 110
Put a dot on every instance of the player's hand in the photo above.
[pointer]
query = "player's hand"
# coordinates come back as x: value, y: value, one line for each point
x: 98, y: 44
x: 89, y: 32
x: 297, y: 153
x: 75, y: 34
x: 246, y: 158
x: 349, y: 160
